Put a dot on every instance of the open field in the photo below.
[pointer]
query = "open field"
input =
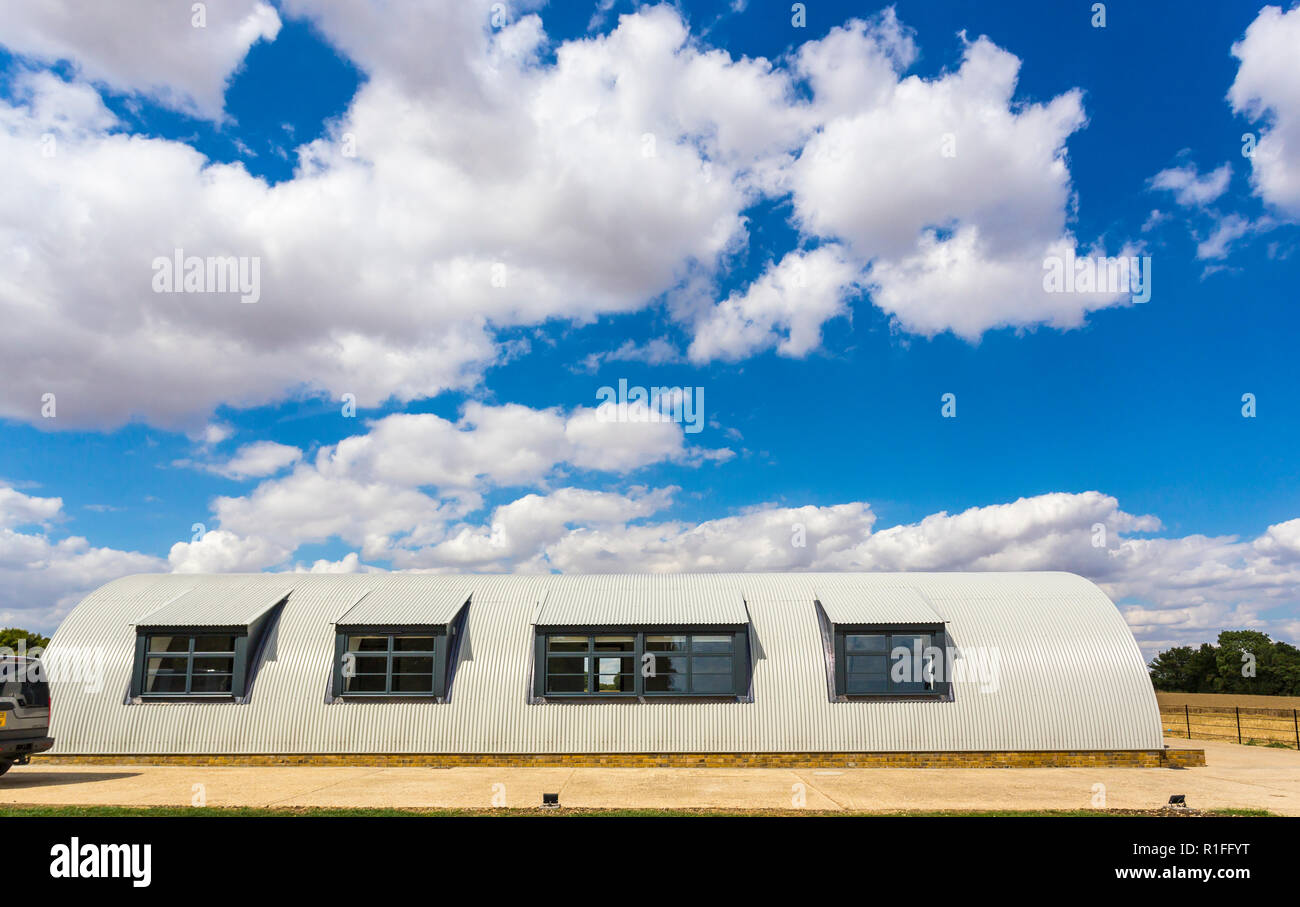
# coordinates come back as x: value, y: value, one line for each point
x: 1208, y: 716
x: 1227, y: 700
x: 1236, y: 777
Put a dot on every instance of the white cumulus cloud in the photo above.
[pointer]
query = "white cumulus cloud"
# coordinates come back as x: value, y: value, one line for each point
x: 1191, y: 188
x: 1267, y: 91
x: 260, y: 458
x: 151, y: 47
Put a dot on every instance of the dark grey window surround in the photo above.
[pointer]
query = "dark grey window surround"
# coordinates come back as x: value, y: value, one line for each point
x: 439, y: 654
x: 237, y: 657
x: 249, y: 642
x: 634, y: 656
x: 940, y: 689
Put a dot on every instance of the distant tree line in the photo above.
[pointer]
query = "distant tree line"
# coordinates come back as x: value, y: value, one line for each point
x: 1243, y: 661
x: 10, y: 637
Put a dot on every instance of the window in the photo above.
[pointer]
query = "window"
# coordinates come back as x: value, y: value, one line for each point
x: 889, y: 662
x: 591, y: 664
x: 633, y: 663
x: 387, y: 661
x: 24, y: 680
x: 189, y: 665
x: 198, y: 663
x: 690, y: 663
x: 389, y: 664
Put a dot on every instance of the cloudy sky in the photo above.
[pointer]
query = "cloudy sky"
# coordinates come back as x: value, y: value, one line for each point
x: 833, y: 225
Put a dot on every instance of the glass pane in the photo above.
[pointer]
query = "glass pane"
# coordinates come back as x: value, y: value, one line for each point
x: 866, y: 664
x: 214, y: 644
x: 365, y: 683
x: 907, y: 660
x: 930, y: 670
x: 413, y: 643
x: 567, y: 643
x: 710, y: 644
x: 211, y: 683
x: 412, y: 683
x: 607, y: 665
x: 668, y: 664
x: 30, y: 693
x: 566, y: 665
x: 665, y: 643
x: 412, y: 664
x: 711, y: 683
x: 214, y: 665
x: 615, y: 643
x: 566, y: 683
x: 367, y: 643
x: 713, y: 664
x: 616, y: 683
x: 35, y: 694
x: 865, y: 642
x: 169, y: 643
x: 369, y: 664
x: 865, y: 683
x: 666, y: 683
x: 166, y: 665
x: 165, y: 683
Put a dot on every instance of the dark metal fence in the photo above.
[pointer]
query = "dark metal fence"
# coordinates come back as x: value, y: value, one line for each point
x: 1237, y: 724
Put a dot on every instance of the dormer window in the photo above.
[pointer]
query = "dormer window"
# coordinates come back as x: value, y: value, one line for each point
x: 204, y: 644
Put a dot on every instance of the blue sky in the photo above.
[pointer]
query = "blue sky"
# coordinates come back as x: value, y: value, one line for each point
x: 477, y: 443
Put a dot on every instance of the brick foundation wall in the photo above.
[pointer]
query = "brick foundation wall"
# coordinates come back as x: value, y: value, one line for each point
x: 1163, y: 758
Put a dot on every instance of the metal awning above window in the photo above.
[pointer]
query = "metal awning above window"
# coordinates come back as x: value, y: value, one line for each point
x: 407, y: 604
x: 876, y: 604
x: 646, y: 604
x: 234, y: 602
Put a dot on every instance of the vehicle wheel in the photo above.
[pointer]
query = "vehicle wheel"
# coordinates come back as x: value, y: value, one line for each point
x: 4, y: 767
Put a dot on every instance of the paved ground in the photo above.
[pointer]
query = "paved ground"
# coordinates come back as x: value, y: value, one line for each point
x: 1236, y: 776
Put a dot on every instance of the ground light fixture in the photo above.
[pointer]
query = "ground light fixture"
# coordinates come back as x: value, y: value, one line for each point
x: 550, y: 801
x: 1178, y: 800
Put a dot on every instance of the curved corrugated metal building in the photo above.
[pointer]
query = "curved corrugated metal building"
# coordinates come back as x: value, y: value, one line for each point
x: 526, y: 664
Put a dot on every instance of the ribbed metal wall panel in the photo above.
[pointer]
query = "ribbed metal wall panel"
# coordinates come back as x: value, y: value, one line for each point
x: 882, y: 599
x: 649, y: 599
x: 1071, y: 676
x: 219, y: 601
x: 410, y: 603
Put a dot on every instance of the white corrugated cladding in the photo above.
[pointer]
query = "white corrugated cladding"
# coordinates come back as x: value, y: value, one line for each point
x: 886, y: 601
x: 219, y: 601
x: 1061, y: 671
x: 414, y: 605
x: 652, y: 599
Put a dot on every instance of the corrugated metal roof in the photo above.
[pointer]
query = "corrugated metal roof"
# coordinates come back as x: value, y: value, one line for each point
x: 412, y: 604
x: 1064, y: 673
x: 879, y: 600
x: 229, y: 601
x: 652, y: 600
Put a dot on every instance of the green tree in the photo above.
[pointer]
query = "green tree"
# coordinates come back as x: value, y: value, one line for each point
x: 1243, y: 659
x: 1185, y: 670
x: 11, y: 636
x: 1274, y: 667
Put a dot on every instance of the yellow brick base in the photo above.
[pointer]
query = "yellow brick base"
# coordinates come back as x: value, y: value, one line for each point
x: 1008, y: 759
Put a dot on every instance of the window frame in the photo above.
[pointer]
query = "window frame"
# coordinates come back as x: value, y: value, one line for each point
x: 239, y: 663
x: 250, y: 643
x: 942, y: 688
x: 739, y: 655
x: 442, y: 646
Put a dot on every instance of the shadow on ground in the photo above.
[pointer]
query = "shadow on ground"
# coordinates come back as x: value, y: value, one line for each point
x: 17, y: 779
